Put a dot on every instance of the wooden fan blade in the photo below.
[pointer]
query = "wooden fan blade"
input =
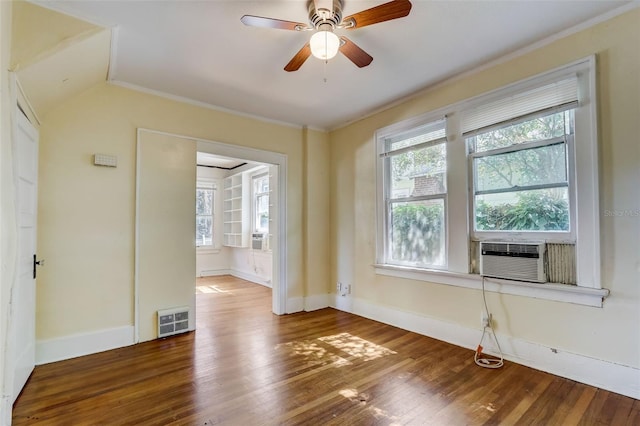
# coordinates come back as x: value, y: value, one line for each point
x: 355, y: 53
x: 296, y: 62
x: 260, y: 21
x: 385, y: 12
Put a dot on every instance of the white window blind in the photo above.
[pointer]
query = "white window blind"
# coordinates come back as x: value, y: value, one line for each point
x: 559, y: 93
x: 426, y: 134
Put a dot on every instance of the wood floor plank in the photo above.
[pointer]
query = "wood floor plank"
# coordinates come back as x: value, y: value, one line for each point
x: 569, y: 411
x: 634, y: 414
x: 246, y: 366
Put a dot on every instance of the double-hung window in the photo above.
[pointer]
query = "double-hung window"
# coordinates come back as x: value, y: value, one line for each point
x: 204, y: 215
x: 521, y: 162
x: 415, y: 195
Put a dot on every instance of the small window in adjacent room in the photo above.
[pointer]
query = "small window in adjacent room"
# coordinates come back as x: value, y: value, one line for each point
x: 261, y: 203
x: 204, y: 216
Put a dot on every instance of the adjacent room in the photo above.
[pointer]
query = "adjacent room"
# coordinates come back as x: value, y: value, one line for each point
x: 320, y: 212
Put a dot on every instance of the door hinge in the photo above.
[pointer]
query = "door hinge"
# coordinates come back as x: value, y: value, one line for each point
x: 36, y: 263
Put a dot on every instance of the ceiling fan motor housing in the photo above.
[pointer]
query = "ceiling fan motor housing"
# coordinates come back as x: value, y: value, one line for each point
x: 323, y: 16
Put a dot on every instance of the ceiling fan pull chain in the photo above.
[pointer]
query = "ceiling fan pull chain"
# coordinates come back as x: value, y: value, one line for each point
x: 324, y: 71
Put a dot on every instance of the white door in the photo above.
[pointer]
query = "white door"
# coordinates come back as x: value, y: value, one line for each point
x: 23, y: 302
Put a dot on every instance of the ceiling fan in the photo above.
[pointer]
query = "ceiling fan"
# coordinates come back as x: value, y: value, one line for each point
x: 324, y: 43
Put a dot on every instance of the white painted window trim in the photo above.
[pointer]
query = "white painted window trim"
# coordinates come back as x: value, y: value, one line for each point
x: 548, y: 291
x: 382, y: 171
x: 588, y: 291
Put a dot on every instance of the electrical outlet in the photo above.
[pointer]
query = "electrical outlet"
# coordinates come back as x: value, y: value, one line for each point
x: 348, y: 289
x: 486, y: 320
x: 338, y: 287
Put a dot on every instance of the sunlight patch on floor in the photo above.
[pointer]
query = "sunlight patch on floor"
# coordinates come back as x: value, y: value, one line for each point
x: 319, y: 351
x: 357, y: 347
x: 313, y: 353
x: 210, y: 289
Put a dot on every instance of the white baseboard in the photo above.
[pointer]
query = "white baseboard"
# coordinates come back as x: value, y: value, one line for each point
x: 250, y: 277
x: 308, y: 303
x: 316, y: 301
x: 214, y: 272
x: 603, y: 374
x: 76, y: 345
x: 294, y: 304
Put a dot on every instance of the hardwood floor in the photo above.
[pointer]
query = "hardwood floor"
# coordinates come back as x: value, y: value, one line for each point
x: 246, y: 366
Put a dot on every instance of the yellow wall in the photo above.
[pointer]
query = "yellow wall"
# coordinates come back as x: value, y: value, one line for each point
x: 610, y: 333
x: 86, y: 213
x: 38, y: 32
x: 165, y: 208
x: 316, y: 221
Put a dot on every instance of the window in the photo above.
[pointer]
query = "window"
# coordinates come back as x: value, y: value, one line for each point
x: 204, y: 216
x: 261, y: 203
x: 519, y: 163
x: 520, y: 158
x: 521, y: 175
x: 415, y: 190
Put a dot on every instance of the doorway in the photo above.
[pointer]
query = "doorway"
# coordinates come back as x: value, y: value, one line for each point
x: 234, y: 216
x: 277, y: 242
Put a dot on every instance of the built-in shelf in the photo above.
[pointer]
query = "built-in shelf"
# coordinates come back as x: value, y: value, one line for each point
x: 235, y: 211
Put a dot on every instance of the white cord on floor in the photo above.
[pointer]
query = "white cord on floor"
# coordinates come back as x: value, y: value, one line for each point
x: 481, y: 359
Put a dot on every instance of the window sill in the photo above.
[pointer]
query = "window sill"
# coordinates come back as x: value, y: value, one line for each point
x: 548, y: 291
x: 207, y: 250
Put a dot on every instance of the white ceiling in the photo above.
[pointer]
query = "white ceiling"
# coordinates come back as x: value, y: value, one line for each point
x: 201, y: 51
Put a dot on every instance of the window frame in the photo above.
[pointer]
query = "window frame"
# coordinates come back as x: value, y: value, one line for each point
x: 384, y: 156
x: 568, y: 237
x: 584, y: 174
x: 254, y: 199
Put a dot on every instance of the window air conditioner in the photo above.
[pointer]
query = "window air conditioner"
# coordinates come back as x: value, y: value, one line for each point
x: 259, y: 241
x: 513, y: 261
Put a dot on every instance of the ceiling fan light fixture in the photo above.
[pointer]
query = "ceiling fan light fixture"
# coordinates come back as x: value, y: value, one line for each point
x: 324, y: 44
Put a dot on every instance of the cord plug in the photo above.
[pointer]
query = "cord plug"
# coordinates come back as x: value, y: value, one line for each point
x: 486, y: 320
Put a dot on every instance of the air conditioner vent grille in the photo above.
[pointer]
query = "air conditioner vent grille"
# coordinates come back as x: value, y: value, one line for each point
x: 515, y: 261
x: 506, y: 249
x: 173, y: 321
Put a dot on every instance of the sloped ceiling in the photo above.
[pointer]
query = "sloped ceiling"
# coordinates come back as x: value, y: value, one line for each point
x: 56, y: 56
